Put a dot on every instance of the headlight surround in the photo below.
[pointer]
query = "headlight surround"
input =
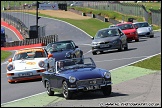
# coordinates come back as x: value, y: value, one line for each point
x: 72, y: 79
x: 107, y: 74
x: 10, y: 67
x: 68, y: 55
x: 150, y: 29
x: 133, y: 33
x: 41, y: 64
x: 115, y: 41
x: 95, y: 43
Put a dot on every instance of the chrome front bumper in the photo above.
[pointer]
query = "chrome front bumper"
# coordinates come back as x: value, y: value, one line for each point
x: 85, y: 88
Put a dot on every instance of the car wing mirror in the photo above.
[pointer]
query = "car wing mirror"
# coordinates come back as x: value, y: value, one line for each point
x: 92, y: 38
x: 76, y: 47
x: 50, y: 55
x: 10, y: 60
x: 121, y: 34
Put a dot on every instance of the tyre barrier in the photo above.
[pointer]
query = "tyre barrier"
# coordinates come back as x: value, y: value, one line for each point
x: 44, y: 40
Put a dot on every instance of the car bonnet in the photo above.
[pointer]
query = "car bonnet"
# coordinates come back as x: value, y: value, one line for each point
x: 106, y: 39
x: 129, y: 30
x: 60, y: 55
x: 143, y: 29
x: 84, y: 73
x: 27, y: 64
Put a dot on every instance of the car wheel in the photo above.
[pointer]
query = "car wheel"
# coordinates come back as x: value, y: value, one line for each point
x: 94, y: 53
x: 121, y: 47
x: 48, y: 89
x: 126, y: 46
x: 106, y: 90
x: 66, y: 93
x: 151, y: 36
x: 137, y: 40
x: 101, y: 52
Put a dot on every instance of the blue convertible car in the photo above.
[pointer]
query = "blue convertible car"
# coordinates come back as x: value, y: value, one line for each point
x: 75, y: 75
x: 64, y: 50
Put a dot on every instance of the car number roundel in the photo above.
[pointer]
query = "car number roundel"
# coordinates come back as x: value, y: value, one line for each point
x: 30, y: 63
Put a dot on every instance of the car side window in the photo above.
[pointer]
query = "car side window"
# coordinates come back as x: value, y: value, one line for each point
x: 39, y: 54
x: 45, y: 51
x: 73, y: 44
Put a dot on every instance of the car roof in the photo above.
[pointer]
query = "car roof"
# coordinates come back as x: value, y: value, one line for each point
x: 61, y: 41
x: 30, y: 49
x: 124, y: 23
x: 109, y: 28
x: 139, y: 22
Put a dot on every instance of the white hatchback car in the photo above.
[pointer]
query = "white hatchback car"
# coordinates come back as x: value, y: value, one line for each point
x: 28, y: 64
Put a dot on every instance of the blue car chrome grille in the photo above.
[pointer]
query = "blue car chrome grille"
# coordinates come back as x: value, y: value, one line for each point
x: 88, y: 82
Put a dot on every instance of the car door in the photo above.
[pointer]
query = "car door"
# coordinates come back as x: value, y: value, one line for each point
x: 53, y: 79
x: 123, y: 37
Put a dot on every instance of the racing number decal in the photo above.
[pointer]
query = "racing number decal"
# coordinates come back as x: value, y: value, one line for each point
x: 30, y: 63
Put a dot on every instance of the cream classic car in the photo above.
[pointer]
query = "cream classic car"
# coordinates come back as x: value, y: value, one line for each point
x: 28, y: 64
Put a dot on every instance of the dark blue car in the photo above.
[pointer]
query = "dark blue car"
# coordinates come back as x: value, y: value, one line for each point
x: 3, y: 37
x: 64, y: 50
x: 71, y: 76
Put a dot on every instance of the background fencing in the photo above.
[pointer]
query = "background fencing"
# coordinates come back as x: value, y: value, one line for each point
x: 17, y: 23
x: 156, y: 17
x: 124, y: 8
x: 44, y: 40
x: 127, y: 9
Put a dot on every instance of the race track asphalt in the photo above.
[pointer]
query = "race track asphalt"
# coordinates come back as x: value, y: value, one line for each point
x: 123, y: 94
x: 132, y: 85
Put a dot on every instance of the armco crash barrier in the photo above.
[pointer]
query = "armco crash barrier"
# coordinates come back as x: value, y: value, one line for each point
x: 3, y: 23
x: 26, y: 42
x: 43, y: 41
x: 21, y: 47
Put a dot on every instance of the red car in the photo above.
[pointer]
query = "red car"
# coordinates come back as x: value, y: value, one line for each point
x: 129, y: 30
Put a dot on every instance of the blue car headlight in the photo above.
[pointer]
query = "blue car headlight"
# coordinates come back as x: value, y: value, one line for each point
x: 107, y: 74
x: 72, y: 79
x: 68, y: 55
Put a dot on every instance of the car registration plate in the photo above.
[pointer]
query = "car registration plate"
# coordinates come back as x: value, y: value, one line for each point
x: 26, y: 74
x: 93, y: 87
x: 104, y: 45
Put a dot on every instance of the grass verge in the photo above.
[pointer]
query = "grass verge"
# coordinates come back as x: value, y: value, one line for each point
x: 153, y: 63
x: 5, y: 55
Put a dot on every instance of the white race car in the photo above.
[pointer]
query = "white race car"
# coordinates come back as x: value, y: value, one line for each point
x: 28, y: 64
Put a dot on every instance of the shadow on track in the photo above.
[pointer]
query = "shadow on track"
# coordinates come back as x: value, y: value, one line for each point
x: 91, y: 95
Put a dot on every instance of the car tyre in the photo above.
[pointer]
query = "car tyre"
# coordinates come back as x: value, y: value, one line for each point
x: 66, y: 93
x: 107, y: 90
x: 48, y: 89
x: 101, y: 52
x: 126, y: 47
x: 121, y: 47
x: 94, y: 53
x: 151, y: 36
x: 137, y: 40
